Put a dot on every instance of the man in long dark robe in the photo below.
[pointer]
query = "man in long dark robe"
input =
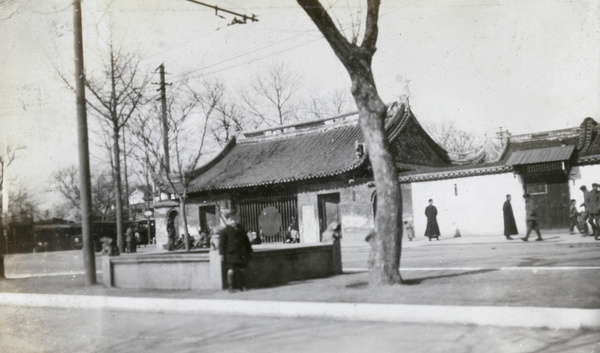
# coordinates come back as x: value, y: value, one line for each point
x: 510, y: 226
x: 235, y: 250
x: 432, y: 230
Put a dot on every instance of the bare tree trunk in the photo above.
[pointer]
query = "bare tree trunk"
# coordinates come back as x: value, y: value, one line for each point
x: 186, y: 233
x: 118, y: 195
x: 388, y: 242
x: 384, y: 267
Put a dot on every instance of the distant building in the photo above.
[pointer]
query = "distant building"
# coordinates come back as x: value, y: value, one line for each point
x: 140, y: 201
x: 319, y: 172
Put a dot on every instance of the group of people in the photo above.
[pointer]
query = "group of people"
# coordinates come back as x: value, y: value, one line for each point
x: 432, y: 230
x: 132, y: 236
x: 531, y: 218
x: 590, y: 213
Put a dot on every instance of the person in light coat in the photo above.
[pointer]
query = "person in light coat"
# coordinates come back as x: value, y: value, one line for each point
x: 531, y: 218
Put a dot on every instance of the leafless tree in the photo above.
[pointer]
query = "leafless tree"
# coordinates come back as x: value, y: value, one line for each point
x: 23, y: 208
x: 66, y: 183
x: 320, y: 106
x: 493, y: 150
x: 7, y: 156
x: 117, y: 93
x: 187, y: 138
x: 357, y: 59
x: 454, y: 139
x: 228, y: 120
x: 271, y: 100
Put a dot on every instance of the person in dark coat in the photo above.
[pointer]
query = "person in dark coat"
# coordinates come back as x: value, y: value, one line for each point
x: 586, y: 210
x: 510, y: 226
x: 128, y: 238
x: 531, y: 218
x: 594, y: 203
x: 432, y: 230
x: 574, y: 217
x: 171, y: 235
x: 235, y: 250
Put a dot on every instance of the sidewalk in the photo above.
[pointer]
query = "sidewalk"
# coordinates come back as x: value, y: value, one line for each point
x: 478, y: 296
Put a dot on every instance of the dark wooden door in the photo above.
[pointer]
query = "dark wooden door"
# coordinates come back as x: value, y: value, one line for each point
x: 328, y: 210
x: 551, y: 196
x: 208, y: 219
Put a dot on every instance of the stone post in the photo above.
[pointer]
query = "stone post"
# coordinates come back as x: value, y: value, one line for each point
x: 216, y: 266
x: 107, y: 271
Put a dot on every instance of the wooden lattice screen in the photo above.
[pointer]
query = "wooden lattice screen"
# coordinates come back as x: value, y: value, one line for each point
x: 251, y: 207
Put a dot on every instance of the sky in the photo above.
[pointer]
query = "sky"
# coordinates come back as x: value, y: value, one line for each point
x: 523, y: 65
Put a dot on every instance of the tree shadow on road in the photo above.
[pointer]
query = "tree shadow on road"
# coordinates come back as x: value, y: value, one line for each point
x: 415, y: 281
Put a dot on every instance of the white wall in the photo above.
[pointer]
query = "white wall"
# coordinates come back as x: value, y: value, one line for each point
x: 584, y: 175
x: 475, y: 209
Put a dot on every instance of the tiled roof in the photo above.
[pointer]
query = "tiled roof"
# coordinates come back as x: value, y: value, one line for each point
x: 328, y: 147
x: 584, y: 139
x: 282, y: 158
x: 541, y: 155
x: 427, y: 173
x: 316, y: 149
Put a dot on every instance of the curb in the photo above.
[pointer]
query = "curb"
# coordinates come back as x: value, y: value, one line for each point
x: 531, y: 317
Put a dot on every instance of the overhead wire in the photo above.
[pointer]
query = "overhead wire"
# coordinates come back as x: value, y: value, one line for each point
x: 270, y: 54
x: 267, y: 55
x: 287, y: 39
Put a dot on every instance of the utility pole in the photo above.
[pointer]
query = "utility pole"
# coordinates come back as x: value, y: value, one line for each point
x: 4, y: 185
x: 89, y: 258
x: 501, y: 136
x: 163, y: 100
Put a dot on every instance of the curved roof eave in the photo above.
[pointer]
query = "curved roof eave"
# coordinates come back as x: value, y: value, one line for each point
x: 357, y: 165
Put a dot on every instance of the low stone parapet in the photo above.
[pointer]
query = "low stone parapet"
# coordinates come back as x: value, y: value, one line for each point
x: 169, y: 270
x: 287, y: 263
x: 201, y: 270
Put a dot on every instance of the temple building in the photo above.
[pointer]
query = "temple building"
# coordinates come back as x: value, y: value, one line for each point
x: 318, y: 172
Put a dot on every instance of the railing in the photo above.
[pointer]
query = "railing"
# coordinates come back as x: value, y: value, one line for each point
x: 250, y: 210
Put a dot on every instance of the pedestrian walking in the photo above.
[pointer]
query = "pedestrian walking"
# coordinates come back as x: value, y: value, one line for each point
x: 510, y: 226
x: 586, y: 207
x: 432, y: 230
x: 594, y: 202
x: 583, y: 215
x: 531, y: 218
x: 128, y: 238
x: 134, y: 240
x: 235, y: 251
x: 171, y: 235
x: 574, y: 217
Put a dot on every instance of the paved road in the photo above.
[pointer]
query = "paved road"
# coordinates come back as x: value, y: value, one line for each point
x: 76, y: 330
x: 558, y: 251
x: 53, y: 330
x: 554, y: 252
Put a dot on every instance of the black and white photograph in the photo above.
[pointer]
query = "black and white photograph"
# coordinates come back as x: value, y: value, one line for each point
x: 299, y: 176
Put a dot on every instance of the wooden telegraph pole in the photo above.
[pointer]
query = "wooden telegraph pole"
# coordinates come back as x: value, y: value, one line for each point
x: 89, y: 257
